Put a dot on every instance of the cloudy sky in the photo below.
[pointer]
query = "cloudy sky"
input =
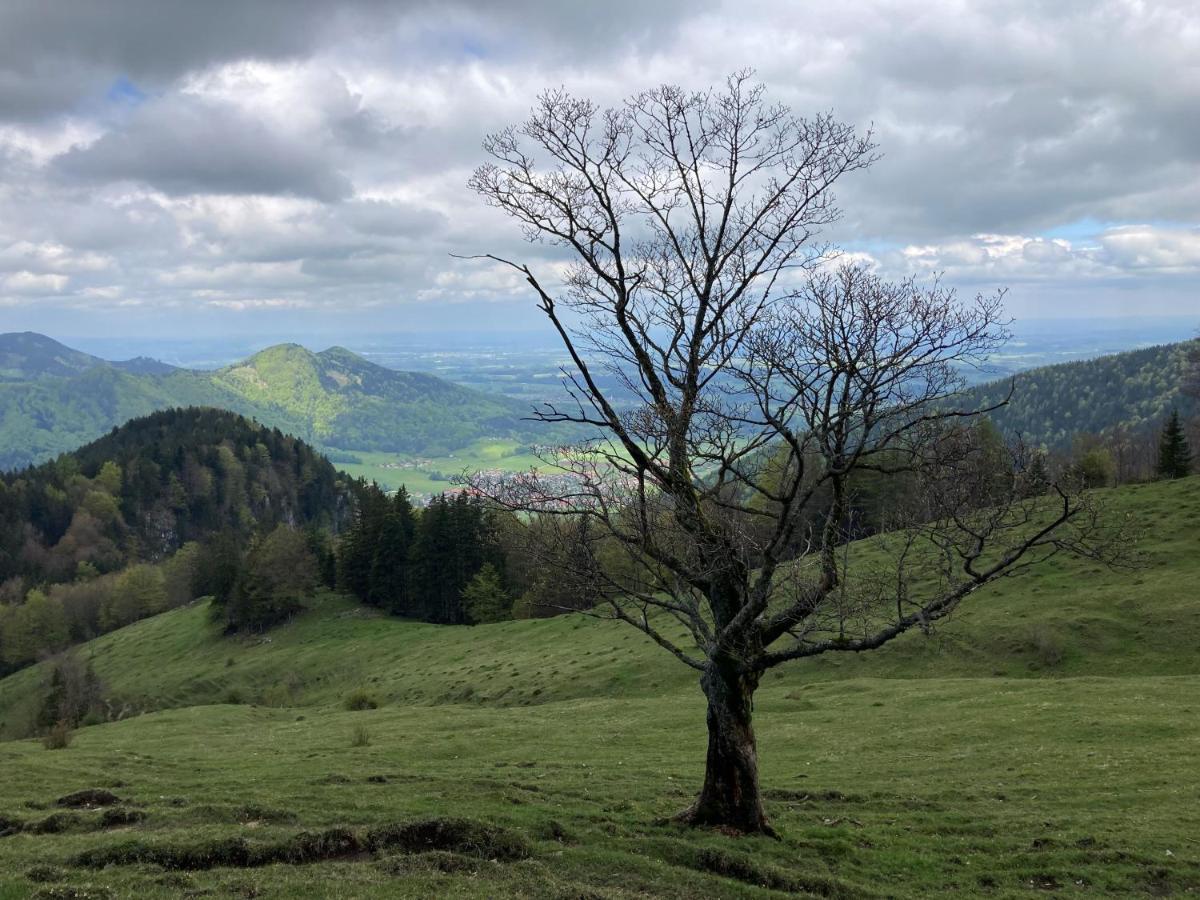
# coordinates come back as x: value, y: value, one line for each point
x: 299, y: 167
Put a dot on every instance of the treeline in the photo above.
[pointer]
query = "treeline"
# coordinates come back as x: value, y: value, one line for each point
x: 254, y: 584
x: 1125, y: 455
x: 445, y: 563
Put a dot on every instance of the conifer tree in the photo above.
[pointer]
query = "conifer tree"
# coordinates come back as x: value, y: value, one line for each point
x: 433, y: 563
x: 1174, y: 455
x: 389, y: 583
x: 356, y: 554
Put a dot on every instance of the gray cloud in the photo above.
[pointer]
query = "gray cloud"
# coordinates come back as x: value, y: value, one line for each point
x: 186, y: 145
x: 301, y: 155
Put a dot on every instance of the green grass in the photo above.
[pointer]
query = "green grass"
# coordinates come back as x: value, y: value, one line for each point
x: 417, y: 473
x: 1044, y: 740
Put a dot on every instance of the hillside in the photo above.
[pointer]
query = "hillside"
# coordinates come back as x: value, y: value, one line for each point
x: 1067, y: 618
x: 53, y: 399
x: 28, y: 356
x: 1050, y: 405
x: 146, y: 488
x: 1043, y: 740
x: 122, y: 527
x: 340, y: 399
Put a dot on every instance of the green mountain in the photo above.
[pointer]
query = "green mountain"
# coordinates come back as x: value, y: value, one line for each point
x: 53, y: 399
x: 336, y: 398
x: 29, y: 356
x: 1050, y: 405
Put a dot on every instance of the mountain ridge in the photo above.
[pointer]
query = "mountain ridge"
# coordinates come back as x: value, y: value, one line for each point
x: 54, y: 399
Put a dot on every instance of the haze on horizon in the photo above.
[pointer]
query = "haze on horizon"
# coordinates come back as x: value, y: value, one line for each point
x: 172, y: 168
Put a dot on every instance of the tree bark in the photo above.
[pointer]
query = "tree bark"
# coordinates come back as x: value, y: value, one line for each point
x: 730, y: 798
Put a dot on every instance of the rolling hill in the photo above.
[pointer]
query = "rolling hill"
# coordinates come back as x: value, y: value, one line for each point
x: 1042, y: 740
x: 53, y: 399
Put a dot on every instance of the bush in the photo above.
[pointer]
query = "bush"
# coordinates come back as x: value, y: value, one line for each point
x: 73, y: 693
x: 235, y: 697
x: 279, y: 573
x: 284, y: 693
x: 1047, y: 647
x: 58, y: 736
x: 361, y: 737
x: 360, y: 700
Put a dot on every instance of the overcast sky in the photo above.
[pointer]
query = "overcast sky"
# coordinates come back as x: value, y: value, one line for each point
x: 300, y: 167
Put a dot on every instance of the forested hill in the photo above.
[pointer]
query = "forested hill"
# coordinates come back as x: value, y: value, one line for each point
x: 53, y: 399
x: 1050, y: 405
x: 154, y: 484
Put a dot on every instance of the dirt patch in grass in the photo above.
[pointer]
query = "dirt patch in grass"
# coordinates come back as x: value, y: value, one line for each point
x: 41, y: 874
x: 74, y: 892
x: 247, y: 814
x: 433, y: 861
x: 334, y: 778
x: 57, y: 823
x: 740, y: 867
x: 9, y: 825
x: 811, y: 796
x: 555, y: 831
x: 121, y: 817
x: 90, y: 798
x: 458, y: 836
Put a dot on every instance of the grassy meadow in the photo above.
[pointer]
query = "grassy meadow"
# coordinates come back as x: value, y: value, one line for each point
x: 1045, y: 740
x: 420, y: 474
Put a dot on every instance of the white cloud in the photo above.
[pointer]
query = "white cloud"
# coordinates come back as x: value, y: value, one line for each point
x: 1124, y: 253
x: 296, y: 155
x: 1147, y: 247
x: 33, y: 284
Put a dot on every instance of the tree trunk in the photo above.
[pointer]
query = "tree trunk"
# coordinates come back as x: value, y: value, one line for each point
x: 730, y: 798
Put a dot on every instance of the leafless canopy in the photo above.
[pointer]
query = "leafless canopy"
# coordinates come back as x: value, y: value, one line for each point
x: 743, y: 384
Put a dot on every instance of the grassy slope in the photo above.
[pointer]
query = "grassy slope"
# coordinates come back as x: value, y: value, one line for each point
x: 946, y: 784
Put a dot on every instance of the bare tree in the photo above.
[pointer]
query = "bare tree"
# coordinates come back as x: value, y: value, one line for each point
x: 754, y: 385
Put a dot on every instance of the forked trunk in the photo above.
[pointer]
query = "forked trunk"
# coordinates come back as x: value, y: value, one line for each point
x: 730, y: 797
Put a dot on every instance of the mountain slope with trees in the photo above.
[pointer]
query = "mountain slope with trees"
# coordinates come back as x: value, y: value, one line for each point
x: 1050, y: 406
x: 154, y: 514
x: 53, y: 399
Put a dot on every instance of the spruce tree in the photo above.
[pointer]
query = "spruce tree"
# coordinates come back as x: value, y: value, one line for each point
x: 390, y: 566
x: 1174, y: 455
x: 356, y: 555
x: 279, y: 575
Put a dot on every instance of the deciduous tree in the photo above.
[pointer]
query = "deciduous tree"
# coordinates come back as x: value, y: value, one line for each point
x: 699, y: 288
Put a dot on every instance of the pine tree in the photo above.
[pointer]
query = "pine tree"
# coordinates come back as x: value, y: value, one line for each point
x: 433, y: 564
x: 393, y: 549
x: 1037, y: 477
x: 356, y: 554
x: 1174, y: 455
